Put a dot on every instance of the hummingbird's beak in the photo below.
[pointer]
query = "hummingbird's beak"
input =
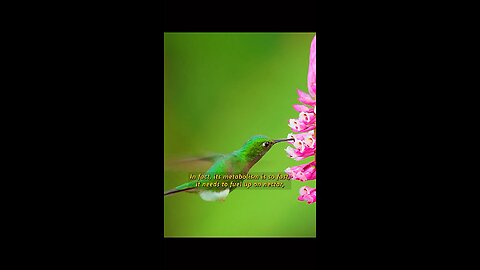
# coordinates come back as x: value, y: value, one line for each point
x: 283, y: 140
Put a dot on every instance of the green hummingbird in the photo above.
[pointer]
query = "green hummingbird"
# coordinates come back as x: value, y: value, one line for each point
x: 239, y: 161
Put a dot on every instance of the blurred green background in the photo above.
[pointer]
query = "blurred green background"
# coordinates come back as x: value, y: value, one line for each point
x: 220, y: 89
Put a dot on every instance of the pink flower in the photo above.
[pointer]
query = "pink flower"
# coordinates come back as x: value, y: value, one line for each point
x: 312, y: 69
x: 305, y: 125
x: 307, y: 118
x: 302, y: 108
x: 305, y: 145
x: 305, y: 98
x: 303, y: 172
x: 308, y: 194
x: 298, y: 125
x: 300, y: 153
x: 310, y: 140
x: 296, y: 137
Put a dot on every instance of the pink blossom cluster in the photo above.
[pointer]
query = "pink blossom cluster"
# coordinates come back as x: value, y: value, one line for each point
x: 308, y: 194
x: 304, y: 144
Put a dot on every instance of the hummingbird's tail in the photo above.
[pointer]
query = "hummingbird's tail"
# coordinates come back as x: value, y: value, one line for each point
x: 172, y: 191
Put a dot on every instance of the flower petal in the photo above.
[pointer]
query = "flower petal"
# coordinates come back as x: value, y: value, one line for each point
x: 307, y: 118
x: 291, y: 152
x: 303, y: 172
x: 312, y: 68
x: 296, y: 125
x: 309, y: 140
x: 304, y: 190
x: 302, y: 108
x: 308, y: 194
x: 305, y: 98
x: 299, y: 154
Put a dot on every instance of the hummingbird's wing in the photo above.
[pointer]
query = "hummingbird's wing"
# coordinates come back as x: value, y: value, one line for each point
x: 194, y: 163
x: 208, y: 192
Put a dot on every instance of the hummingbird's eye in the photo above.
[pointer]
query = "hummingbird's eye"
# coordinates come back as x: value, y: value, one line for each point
x: 266, y: 144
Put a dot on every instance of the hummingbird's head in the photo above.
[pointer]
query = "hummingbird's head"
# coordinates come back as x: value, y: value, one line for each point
x: 257, y: 146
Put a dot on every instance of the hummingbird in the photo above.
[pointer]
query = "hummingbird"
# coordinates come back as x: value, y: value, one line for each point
x: 239, y: 161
